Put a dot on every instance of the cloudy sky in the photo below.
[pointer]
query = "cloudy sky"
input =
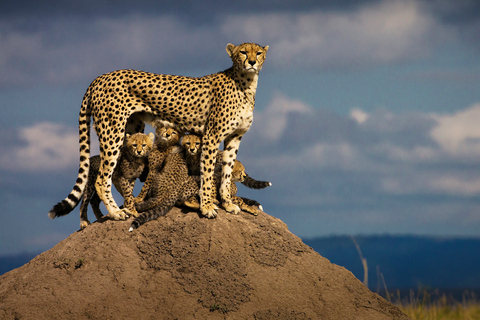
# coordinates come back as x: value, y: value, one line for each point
x: 366, y: 121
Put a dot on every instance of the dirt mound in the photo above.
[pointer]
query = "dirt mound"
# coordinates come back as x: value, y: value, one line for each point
x: 182, y: 266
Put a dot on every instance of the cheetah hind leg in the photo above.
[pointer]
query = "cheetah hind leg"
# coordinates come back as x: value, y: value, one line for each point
x: 104, y: 183
x: 114, y: 212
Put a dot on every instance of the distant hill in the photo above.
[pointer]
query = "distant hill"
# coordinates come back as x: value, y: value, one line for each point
x: 407, y: 261
x: 11, y: 262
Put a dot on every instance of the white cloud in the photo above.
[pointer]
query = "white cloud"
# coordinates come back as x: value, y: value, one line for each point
x: 383, y: 32
x: 64, y: 50
x: 459, y: 134
x: 44, y: 146
x: 359, y: 115
x: 380, y: 151
x: 276, y: 114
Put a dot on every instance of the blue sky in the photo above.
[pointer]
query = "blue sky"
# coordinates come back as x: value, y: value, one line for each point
x: 366, y: 118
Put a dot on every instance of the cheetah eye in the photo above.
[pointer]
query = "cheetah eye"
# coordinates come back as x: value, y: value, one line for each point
x: 243, y: 52
x: 134, y: 145
x: 144, y: 145
x: 259, y: 53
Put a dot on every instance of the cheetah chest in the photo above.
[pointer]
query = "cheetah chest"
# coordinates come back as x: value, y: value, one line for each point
x: 245, y: 116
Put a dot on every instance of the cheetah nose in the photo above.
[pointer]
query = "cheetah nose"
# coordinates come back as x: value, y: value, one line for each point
x: 252, y: 62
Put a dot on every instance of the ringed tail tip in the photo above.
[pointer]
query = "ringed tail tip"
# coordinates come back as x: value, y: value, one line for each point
x: 133, y: 226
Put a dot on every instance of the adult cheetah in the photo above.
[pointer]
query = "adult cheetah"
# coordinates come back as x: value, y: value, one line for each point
x: 218, y: 106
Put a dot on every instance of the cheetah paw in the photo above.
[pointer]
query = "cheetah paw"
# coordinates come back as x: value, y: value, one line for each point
x: 131, y: 212
x: 232, y: 208
x: 208, y: 210
x: 192, y: 204
x: 118, y: 215
x: 84, y: 224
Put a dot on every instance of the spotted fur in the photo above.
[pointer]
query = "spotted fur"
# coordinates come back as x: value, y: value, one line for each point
x: 132, y: 163
x: 170, y: 185
x: 192, y: 146
x: 218, y: 106
x: 166, y: 138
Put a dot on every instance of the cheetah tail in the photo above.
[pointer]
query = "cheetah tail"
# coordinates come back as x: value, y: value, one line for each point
x: 255, y: 184
x: 66, y: 206
x: 251, y: 202
x: 149, y: 215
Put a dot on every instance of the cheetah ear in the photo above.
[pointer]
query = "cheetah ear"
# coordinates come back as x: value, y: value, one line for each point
x: 151, y: 135
x: 127, y: 135
x: 265, y: 48
x: 230, y: 48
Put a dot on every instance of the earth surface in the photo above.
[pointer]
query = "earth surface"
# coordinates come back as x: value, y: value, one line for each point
x: 183, y: 266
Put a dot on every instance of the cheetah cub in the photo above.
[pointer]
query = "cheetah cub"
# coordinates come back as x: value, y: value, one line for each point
x: 178, y: 182
x: 131, y: 165
x: 192, y: 145
x: 170, y: 185
x: 166, y: 139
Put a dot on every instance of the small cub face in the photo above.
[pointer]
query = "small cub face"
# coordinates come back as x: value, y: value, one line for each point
x: 238, y: 172
x: 191, y: 143
x: 167, y: 135
x: 247, y: 57
x: 139, y: 144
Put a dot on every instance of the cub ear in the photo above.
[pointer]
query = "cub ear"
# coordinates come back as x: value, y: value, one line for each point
x: 151, y: 135
x: 230, y: 48
x: 265, y: 48
x: 127, y: 135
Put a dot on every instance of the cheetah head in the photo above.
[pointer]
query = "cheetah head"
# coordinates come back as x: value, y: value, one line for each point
x: 139, y: 144
x: 238, y: 172
x: 247, y: 57
x: 167, y: 135
x: 191, y: 143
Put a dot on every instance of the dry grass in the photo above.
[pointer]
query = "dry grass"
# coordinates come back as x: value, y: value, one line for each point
x: 431, y: 305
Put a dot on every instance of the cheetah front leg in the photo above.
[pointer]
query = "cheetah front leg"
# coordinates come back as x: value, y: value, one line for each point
x: 207, y: 166
x: 125, y: 187
x: 232, y: 144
